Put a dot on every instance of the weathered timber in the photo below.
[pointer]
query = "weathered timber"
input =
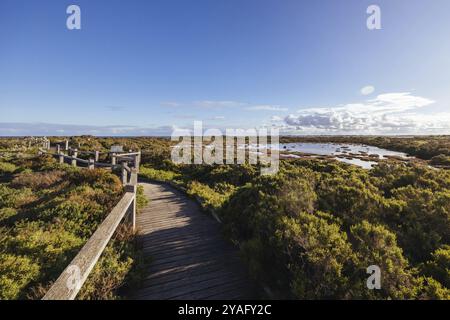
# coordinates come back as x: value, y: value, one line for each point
x: 190, y: 259
x: 69, y: 283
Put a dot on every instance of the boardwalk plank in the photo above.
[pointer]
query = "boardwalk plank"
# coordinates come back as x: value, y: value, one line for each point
x: 190, y: 259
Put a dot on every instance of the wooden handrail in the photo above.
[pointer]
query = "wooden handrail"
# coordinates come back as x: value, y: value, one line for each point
x: 127, y: 154
x: 91, y: 163
x: 81, y: 151
x: 69, y: 283
x: 118, y: 154
x: 75, y: 159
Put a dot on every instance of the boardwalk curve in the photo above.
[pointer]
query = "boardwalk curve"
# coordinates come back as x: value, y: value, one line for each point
x: 190, y: 259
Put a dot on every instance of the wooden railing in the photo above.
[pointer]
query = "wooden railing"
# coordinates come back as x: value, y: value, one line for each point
x: 122, y: 161
x: 70, y: 282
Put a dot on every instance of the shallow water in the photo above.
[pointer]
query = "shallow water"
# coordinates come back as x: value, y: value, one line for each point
x: 330, y: 149
x: 339, y: 149
x: 342, y: 152
x: 358, y: 162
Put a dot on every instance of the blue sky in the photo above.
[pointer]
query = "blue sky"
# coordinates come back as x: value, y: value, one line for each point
x: 145, y: 67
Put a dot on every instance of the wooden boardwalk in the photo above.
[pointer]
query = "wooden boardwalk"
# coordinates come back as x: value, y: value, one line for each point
x: 190, y: 259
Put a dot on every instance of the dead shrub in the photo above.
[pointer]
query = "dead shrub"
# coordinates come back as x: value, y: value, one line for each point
x: 37, y: 180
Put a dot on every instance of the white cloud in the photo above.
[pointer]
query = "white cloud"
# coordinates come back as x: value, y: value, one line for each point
x: 276, y: 118
x: 388, y: 113
x: 367, y: 90
x: 266, y: 108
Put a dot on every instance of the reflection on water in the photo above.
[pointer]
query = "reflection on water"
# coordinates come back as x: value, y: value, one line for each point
x: 339, y: 149
x: 342, y: 152
x: 358, y: 162
x: 347, y: 150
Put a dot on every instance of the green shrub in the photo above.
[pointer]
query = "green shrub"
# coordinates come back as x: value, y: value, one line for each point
x: 6, y: 167
x: 79, y: 216
x: 107, y: 276
x: 443, y: 160
x: 159, y: 175
x: 52, y: 247
x: 97, y: 178
x: 439, y: 266
x: 14, y: 198
x: 393, y: 216
x: 318, y: 254
x: 16, y: 272
x: 6, y: 213
x: 433, y: 290
x: 141, y: 199
x: 209, y: 197
x: 375, y: 245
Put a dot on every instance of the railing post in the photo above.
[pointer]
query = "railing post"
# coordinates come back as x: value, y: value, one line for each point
x: 58, y: 148
x: 132, y: 209
x: 91, y: 164
x: 61, y: 158
x: 67, y: 145
x: 97, y: 155
x: 74, y: 155
x: 113, y: 159
x: 133, y: 213
x: 132, y: 187
x: 124, y: 174
x: 137, y: 161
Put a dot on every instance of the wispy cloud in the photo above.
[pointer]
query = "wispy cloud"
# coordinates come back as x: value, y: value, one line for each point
x: 115, y: 108
x: 266, y: 108
x: 218, y: 104
x: 387, y: 113
x: 170, y: 104
x: 53, y: 129
x: 216, y: 118
x: 225, y: 104
x: 184, y: 116
x: 365, y: 91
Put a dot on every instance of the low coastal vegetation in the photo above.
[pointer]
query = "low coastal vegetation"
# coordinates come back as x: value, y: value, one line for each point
x: 308, y: 232
x: 47, y: 213
x: 311, y: 231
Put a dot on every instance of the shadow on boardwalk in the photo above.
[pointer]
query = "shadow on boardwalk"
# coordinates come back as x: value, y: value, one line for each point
x: 190, y: 259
